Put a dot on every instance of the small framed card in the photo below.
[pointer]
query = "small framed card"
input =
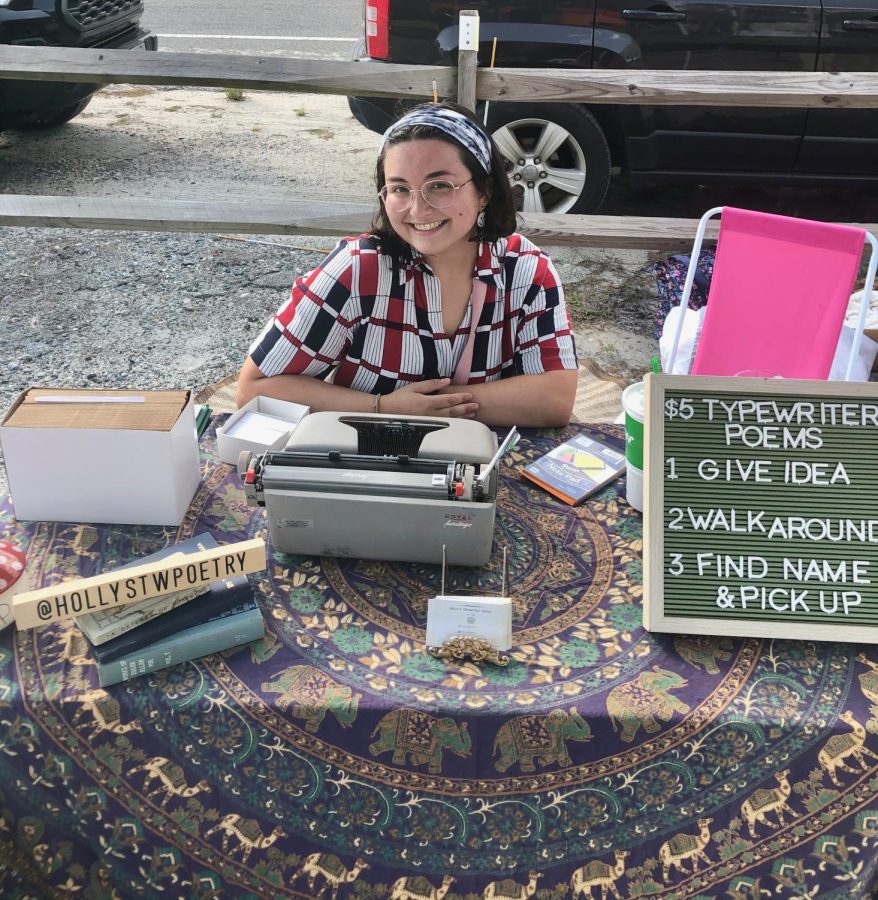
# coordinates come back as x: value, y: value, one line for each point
x: 489, y: 618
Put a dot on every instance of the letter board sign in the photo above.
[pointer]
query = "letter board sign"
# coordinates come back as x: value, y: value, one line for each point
x: 761, y: 515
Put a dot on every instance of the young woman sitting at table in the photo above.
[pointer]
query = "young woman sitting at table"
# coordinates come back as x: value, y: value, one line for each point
x: 442, y: 310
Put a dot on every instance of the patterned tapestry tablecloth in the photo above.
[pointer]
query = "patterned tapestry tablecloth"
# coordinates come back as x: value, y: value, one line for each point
x: 336, y: 758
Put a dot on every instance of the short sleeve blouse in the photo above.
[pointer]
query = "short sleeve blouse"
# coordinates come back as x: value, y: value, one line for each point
x: 378, y: 327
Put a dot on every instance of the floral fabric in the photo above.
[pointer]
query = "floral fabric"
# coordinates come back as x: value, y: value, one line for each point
x: 670, y: 276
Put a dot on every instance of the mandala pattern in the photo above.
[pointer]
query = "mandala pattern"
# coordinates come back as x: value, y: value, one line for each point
x: 336, y: 757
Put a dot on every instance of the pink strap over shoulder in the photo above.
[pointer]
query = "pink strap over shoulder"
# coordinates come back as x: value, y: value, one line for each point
x: 477, y: 301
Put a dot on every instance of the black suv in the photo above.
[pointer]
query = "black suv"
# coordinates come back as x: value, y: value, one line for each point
x: 560, y: 154
x: 107, y: 24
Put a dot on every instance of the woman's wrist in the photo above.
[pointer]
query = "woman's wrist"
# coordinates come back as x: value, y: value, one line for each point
x: 376, y: 403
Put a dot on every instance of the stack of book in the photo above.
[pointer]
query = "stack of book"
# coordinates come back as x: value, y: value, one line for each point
x: 144, y: 637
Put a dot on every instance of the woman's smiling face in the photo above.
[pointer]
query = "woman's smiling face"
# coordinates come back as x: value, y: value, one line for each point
x: 434, y: 233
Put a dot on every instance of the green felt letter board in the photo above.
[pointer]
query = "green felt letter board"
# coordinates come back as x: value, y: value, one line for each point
x: 761, y: 507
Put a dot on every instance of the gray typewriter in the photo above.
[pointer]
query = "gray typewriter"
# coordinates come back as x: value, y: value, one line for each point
x: 376, y: 486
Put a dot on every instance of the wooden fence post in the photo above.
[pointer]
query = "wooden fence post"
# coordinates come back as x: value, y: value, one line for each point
x: 467, y: 58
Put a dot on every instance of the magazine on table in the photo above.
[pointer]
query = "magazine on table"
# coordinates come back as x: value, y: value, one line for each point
x: 576, y: 469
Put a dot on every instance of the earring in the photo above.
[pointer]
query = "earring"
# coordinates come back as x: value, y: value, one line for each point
x: 480, y: 218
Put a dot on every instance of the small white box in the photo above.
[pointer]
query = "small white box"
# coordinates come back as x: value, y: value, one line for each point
x: 261, y: 424
x: 124, y: 457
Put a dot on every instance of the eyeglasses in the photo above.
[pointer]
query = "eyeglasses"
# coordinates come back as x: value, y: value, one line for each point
x: 439, y: 194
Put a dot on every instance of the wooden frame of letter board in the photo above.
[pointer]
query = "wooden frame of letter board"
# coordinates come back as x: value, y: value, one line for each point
x: 658, y: 590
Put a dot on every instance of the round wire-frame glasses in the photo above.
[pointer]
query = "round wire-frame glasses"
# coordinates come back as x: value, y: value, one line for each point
x: 439, y: 193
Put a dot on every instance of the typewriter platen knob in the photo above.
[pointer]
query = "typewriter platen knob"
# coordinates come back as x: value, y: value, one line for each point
x: 244, y: 459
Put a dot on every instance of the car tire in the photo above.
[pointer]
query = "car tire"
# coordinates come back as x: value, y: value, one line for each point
x: 575, y: 176
x: 54, y: 118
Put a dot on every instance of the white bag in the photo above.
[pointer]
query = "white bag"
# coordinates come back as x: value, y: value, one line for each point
x: 694, y: 319
x: 692, y: 323
x: 862, y: 365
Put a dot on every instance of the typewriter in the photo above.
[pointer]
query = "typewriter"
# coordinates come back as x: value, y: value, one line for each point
x: 375, y: 486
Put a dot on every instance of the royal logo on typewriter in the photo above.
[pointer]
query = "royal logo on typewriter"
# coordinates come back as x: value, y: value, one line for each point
x: 457, y: 521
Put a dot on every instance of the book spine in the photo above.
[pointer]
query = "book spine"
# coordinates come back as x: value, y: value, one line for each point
x: 100, y: 627
x: 192, y: 643
x: 217, y: 602
x: 551, y: 488
x: 136, y: 618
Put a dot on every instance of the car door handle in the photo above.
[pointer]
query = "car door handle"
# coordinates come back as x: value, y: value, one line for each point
x: 653, y: 15
x: 860, y: 24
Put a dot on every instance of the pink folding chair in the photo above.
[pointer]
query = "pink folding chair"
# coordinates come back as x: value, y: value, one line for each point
x: 778, y: 295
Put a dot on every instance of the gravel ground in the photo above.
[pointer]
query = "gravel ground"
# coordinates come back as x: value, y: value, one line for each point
x: 109, y: 309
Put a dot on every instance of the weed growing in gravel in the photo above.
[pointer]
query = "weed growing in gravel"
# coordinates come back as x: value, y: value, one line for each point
x: 234, y: 94
x: 614, y: 293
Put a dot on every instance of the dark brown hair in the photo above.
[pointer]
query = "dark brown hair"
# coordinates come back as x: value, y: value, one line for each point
x: 500, y: 217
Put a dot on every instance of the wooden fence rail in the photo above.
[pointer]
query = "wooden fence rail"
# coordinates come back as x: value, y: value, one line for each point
x: 318, y: 218
x: 262, y: 73
x: 820, y: 90
x: 322, y: 218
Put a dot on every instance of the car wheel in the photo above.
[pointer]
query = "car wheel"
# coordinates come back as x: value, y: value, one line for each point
x: 54, y: 118
x: 557, y: 157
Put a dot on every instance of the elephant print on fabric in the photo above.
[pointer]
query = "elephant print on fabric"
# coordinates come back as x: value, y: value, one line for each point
x: 543, y: 739
x: 645, y: 700
x: 421, y: 737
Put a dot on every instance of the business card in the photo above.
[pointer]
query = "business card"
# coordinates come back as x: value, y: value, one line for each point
x: 484, y: 617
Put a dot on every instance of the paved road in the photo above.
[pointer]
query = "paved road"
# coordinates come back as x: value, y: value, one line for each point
x: 295, y: 28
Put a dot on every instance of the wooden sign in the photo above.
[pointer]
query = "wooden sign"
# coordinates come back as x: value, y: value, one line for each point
x: 135, y: 583
x: 761, y: 516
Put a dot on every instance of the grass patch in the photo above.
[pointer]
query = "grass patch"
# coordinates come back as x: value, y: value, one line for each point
x: 234, y: 94
x: 615, y: 293
x: 300, y: 110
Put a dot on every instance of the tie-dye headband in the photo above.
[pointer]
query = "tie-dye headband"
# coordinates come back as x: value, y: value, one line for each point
x: 457, y: 126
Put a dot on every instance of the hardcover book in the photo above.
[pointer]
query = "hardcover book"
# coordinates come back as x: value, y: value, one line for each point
x: 222, y: 596
x: 239, y: 625
x: 576, y: 469
x: 104, y: 625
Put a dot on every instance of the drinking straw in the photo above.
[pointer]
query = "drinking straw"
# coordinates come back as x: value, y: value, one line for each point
x: 488, y: 102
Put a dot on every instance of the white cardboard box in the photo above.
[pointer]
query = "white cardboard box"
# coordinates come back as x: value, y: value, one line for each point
x: 79, y: 456
x: 261, y: 424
